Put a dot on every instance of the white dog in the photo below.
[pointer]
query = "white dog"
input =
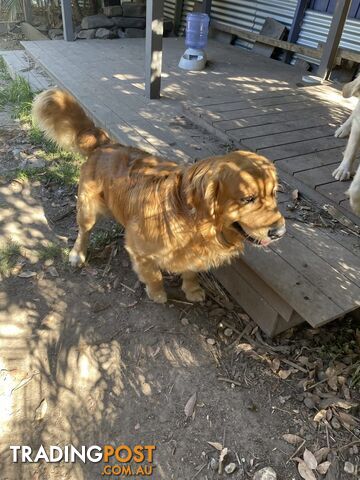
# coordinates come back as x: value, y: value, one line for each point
x: 351, y: 127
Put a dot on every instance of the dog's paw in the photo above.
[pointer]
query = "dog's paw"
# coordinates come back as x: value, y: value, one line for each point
x: 158, y: 296
x: 342, y: 131
x: 76, y: 259
x: 342, y: 173
x: 195, y: 295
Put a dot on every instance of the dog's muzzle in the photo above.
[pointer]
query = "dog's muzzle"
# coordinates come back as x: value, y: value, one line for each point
x: 277, y: 232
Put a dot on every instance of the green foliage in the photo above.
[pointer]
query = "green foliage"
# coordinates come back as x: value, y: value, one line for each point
x: 53, y: 251
x: 9, y: 252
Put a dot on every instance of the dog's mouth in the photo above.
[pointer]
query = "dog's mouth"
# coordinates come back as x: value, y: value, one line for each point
x: 255, y: 241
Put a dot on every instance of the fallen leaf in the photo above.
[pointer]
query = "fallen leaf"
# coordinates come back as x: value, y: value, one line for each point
x: 275, y: 365
x: 320, y: 416
x: 347, y: 419
x: 284, y: 374
x: 309, y: 459
x: 322, y: 454
x: 295, y: 194
x: 53, y: 272
x: 292, y: 439
x: 27, y: 274
x: 190, y: 405
x: 41, y: 410
x: 323, y: 468
x: 304, y: 471
x: 216, y: 445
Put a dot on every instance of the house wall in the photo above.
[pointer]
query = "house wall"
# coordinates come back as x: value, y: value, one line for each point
x: 250, y: 15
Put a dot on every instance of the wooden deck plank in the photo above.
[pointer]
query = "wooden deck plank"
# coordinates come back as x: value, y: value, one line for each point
x: 270, y: 141
x: 335, y: 191
x: 318, y: 241
x: 258, y: 102
x: 340, y: 289
x: 317, y: 176
x: 307, y: 146
x: 303, y: 295
x: 311, y: 160
x: 212, y: 100
x: 227, y: 125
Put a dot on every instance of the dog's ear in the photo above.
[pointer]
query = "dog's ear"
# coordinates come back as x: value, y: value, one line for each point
x: 352, y: 89
x: 202, y: 187
x: 211, y: 195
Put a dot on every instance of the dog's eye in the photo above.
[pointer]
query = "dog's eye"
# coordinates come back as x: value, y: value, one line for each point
x: 249, y: 199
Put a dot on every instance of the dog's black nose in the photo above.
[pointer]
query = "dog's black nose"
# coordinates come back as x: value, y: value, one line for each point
x: 277, y: 232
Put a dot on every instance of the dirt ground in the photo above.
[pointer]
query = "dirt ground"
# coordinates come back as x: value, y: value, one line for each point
x: 87, y: 359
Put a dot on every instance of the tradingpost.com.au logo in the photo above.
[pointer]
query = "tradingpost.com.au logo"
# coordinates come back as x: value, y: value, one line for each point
x: 140, y: 456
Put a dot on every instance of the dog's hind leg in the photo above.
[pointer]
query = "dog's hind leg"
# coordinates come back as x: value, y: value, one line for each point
x: 191, y: 287
x: 150, y: 274
x: 87, y: 212
x: 344, y: 129
x: 344, y: 170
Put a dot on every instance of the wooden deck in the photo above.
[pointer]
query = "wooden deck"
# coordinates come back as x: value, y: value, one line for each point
x: 314, y: 273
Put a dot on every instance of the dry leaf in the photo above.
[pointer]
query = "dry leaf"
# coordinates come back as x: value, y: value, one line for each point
x: 275, y: 365
x: 284, y: 374
x: 41, y: 410
x: 347, y: 419
x: 304, y: 471
x: 292, y: 439
x: 320, y: 416
x: 295, y: 194
x: 27, y: 274
x: 309, y: 459
x: 323, y: 468
x: 321, y: 454
x: 190, y: 405
x: 216, y: 445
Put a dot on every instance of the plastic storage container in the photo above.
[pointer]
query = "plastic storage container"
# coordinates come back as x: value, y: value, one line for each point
x: 197, y: 27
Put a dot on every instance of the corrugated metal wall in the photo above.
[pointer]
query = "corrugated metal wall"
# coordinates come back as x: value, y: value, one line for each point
x: 169, y: 8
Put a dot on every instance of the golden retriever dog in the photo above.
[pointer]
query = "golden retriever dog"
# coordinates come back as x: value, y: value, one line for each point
x: 352, y: 128
x: 180, y: 219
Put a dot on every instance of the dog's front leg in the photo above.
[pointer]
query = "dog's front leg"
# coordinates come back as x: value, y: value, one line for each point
x: 344, y: 170
x: 344, y: 129
x: 191, y: 287
x: 150, y: 274
x: 354, y: 193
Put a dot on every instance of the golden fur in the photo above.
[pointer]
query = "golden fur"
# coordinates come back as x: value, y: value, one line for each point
x: 182, y: 219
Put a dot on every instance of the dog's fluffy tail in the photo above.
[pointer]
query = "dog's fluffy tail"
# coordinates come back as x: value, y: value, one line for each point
x: 65, y: 122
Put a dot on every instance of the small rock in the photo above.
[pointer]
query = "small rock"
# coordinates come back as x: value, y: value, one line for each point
x: 214, y: 464
x: 230, y: 468
x: 267, y: 473
x: 55, y: 33
x: 184, y: 321
x: 228, y: 332
x: 86, y: 34
x: 137, y: 426
x: 211, y: 341
x: 104, y: 33
x: 53, y: 272
x: 349, y: 468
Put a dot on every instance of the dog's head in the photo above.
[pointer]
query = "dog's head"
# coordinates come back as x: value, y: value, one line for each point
x: 239, y: 192
x: 352, y: 89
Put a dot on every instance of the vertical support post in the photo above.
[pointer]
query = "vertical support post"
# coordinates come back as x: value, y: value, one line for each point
x: 66, y: 11
x: 179, y: 4
x: 27, y: 11
x: 300, y: 10
x: 153, y: 47
x: 333, y: 39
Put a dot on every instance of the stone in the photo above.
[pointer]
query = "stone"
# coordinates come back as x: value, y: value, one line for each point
x: 230, y: 468
x: 113, y: 11
x: 104, y: 34
x: 86, y: 34
x: 134, y: 9
x: 349, y: 468
x: 129, y: 22
x: 184, y: 321
x: 96, y: 21
x: 267, y: 473
x: 133, y: 33
x: 228, y: 332
x: 211, y: 341
x: 55, y: 32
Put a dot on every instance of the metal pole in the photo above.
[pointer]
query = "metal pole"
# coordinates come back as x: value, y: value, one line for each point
x: 333, y: 39
x: 66, y: 11
x: 153, y: 47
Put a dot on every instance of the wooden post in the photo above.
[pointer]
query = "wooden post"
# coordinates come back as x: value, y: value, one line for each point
x: 153, y: 48
x: 27, y: 11
x: 296, y: 25
x: 206, y: 6
x: 66, y: 11
x: 179, y: 4
x: 333, y: 39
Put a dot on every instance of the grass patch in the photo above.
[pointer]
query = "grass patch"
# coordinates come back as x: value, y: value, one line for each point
x: 101, y: 238
x: 62, y: 173
x: 53, y: 251
x: 4, y: 74
x: 18, y: 94
x: 8, y: 256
